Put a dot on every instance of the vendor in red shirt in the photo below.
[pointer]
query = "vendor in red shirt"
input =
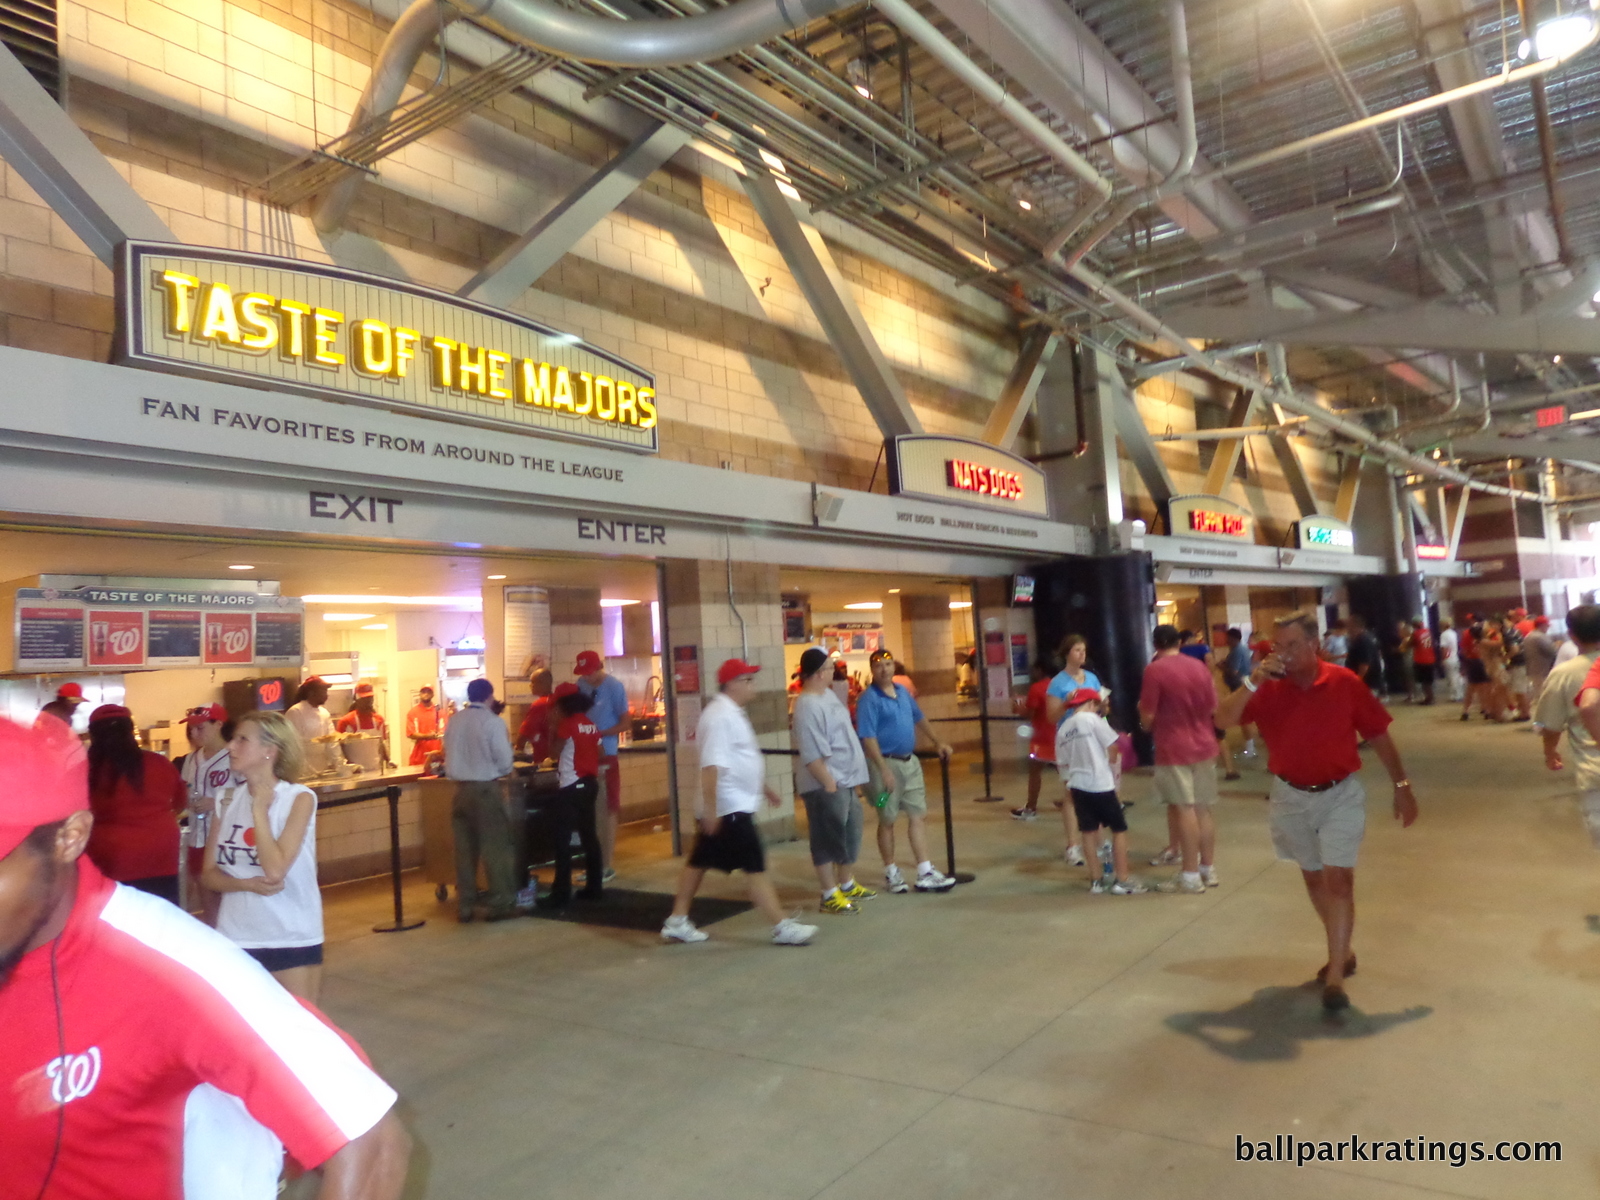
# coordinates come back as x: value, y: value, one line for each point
x: 424, y: 727
x: 1042, y: 744
x: 577, y: 747
x: 146, y: 1057
x: 1313, y: 717
x: 137, y: 797
x: 535, y: 729
x: 364, y: 717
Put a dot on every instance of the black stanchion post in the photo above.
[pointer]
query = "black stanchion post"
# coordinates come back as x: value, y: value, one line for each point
x: 950, y: 829
x: 399, y: 926
x: 980, y: 651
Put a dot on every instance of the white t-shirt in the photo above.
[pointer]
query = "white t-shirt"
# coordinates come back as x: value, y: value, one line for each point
x: 1081, y: 743
x: 205, y: 776
x: 312, y: 721
x: 1449, y: 644
x: 293, y: 917
x: 727, y: 740
x: 1558, y: 711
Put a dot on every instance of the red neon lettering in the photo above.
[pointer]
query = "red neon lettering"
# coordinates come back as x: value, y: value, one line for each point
x: 1202, y: 521
x: 984, y: 481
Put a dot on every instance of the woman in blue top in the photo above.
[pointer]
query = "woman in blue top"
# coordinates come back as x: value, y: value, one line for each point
x: 1074, y: 652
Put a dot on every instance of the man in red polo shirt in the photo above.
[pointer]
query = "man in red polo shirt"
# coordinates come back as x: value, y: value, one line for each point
x: 143, y: 1055
x: 1313, y: 715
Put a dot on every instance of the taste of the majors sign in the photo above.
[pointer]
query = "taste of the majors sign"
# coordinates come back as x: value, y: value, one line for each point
x: 326, y: 331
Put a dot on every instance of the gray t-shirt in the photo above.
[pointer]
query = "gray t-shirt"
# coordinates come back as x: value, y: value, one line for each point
x: 1539, y: 650
x: 822, y: 729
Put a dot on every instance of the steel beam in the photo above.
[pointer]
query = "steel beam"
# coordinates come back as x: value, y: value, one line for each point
x: 1565, y: 301
x: 519, y: 266
x: 812, y: 265
x: 1459, y: 522
x: 46, y: 147
x: 1016, y: 395
x: 1344, y: 507
x: 1136, y: 440
x: 1427, y: 327
x: 1294, y: 471
x: 1226, y: 460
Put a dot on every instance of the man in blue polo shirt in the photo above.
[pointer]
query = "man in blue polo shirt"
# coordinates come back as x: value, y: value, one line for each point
x: 888, y: 721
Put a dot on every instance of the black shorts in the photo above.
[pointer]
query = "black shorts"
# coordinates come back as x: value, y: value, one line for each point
x: 1475, y: 670
x: 1095, y: 809
x: 165, y: 886
x: 281, y: 958
x: 1423, y: 672
x: 736, y: 846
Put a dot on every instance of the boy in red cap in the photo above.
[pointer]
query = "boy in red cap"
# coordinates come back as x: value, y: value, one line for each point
x: 145, y: 1056
x: 1086, y: 747
x: 733, y: 775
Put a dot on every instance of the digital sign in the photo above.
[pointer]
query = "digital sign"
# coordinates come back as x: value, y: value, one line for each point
x: 985, y: 481
x: 1322, y: 535
x: 1556, y: 414
x: 329, y: 332
x: 1204, y: 521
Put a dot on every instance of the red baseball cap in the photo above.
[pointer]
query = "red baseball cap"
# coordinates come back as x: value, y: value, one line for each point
x: 734, y: 668
x: 363, y: 689
x: 588, y: 663
x: 199, y: 716
x: 44, y: 778
x: 108, y: 712
x: 70, y: 691
x: 1082, y: 696
x: 564, y: 689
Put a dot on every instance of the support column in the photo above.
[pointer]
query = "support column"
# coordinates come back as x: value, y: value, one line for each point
x: 1074, y: 413
x: 930, y: 651
x: 698, y: 614
x: 1017, y: 395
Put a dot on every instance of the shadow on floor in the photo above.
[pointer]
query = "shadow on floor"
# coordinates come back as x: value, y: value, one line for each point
x: 624, y: 908
x: 1270, y: 1026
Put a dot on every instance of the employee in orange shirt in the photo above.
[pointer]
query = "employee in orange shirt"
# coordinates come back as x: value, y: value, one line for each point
x: 424, y: 724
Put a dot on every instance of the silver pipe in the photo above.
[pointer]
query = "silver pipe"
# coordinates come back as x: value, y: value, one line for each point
x: 1233, y: 431
x: 744, y: 636
x: 1287, y: 396
x: 1183, y: 94
x: 924, y: 32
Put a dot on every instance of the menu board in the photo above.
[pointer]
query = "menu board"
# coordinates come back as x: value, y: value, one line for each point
x: 49, y: 638
x: 173, y: 637
x: 118, y: 627
x: 279, y: 638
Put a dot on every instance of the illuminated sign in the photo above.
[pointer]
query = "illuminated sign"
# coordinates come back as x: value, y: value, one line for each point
x: 985, y: 481
x: 1324, y: 533
x: 1202, y: 521
x: 329, y: 332
x: 963, y: 471
x: 1210, y: 517
x: 1426, y: 551
x: 1556, y: 414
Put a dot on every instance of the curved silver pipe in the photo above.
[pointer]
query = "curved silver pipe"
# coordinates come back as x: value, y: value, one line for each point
x: 664, y: 42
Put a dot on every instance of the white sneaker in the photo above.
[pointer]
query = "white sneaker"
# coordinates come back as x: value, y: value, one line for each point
x: 1167, y: 858
x: 934, y: 880
x: 1100, y: 886
x: 1178, y: 883
x: 681, y: 929
x: 894, y: 881
x: 1127, y: 887
x: 1073, y: 855
x: 789, y: 932
x: 1208, y: 876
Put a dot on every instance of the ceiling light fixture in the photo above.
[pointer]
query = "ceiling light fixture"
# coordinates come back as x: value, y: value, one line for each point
x: 497, y: 577
x: 607, y: 602
x: 856, y: 72
x: 1025, y: 205
x: 377, y: 625
x: 957, y: 604
x: 894, y: 591
x: 241, y: 566
x: 348, y: 616
x: 1559, y: 38
x: 865, y: 606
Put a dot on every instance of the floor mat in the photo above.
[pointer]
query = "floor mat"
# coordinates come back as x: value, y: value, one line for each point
x: 623, y: 908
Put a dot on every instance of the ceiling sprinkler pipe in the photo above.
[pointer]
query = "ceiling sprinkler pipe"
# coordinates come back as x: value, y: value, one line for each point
x: 1287, y: 396
x: 663, y: 42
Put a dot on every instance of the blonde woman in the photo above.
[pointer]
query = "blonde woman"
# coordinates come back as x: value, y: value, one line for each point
x: 261, y: 855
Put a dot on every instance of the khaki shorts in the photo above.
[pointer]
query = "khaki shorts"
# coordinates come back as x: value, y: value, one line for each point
x: 1318, y: 829
x: 1517, y: 680
x: 1589, y: 806
x: 1188, y: 785
x: 911, y: 796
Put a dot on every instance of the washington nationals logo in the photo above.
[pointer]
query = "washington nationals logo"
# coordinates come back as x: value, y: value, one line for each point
x: 73, y: 1076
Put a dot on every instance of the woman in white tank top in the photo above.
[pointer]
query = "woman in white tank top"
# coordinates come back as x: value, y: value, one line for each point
x: 261, y: 855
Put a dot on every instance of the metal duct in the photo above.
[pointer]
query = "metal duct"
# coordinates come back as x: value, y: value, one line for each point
x: 665, y: 42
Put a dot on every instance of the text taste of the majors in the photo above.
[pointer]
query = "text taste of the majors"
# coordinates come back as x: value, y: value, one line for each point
x: 982, y: 480
x: 258, y: 323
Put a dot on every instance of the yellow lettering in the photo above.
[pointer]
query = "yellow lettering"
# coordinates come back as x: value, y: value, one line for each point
x: 497, y: 375
x: 374, y: 348
x: 471, y: 370
x: 586, y: 405
x: 293, y: 319
x: 255, y: 314
x: 533, y: 383
x: 562, y: 396
x: 605, y: 398
x: 220, y: 320
x: 444, y: 357
x: 181, y: 291
x: 627, y: 404
x: 405, y: 349
x: 647, y: 408
x: 325, y: 324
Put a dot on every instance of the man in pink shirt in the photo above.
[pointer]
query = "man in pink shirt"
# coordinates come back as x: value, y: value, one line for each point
x: 1176, y: 704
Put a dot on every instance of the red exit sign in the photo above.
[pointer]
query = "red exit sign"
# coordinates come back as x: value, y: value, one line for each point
x: 1556, y: 414
x: 984, y: 481
x: 1202, y: 521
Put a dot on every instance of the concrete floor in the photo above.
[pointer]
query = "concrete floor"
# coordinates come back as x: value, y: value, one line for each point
x: 1020, y: 1037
